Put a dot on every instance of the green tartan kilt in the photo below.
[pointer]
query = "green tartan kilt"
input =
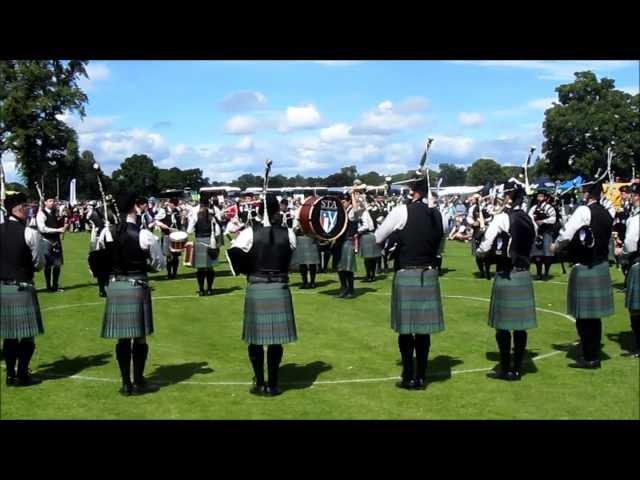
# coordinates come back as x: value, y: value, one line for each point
x: 306, y: 252
x: 416, y: 304
x: 268, y: 314
x: 128, y: 311
x: 201, y: 258
x: 513, y: 304
x: 368, y: 246
x: 19, y: 312
x: 54, y: 259
x: 347, y: 261
x: 589, y: 294
x: 545, y: 251
x: 632, y: 296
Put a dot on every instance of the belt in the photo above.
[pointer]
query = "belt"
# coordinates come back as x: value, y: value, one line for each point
x: 135, y: 282
x: 15, y: 283
x: 264, y: 277
x: 422, y: 269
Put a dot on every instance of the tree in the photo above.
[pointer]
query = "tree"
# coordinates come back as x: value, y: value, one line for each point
x: 372, y: 178
x: 485, y: 171
x: 16, y: 187
x: 33, y: 95
x: 136, y: 174
x: 589, y: 116
x: 451, y: 175
x: 509, y: 171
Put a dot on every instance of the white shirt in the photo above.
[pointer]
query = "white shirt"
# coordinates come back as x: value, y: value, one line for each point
x: 604, y: 201
x: 193, y: 219
x: 396, y: 220
x: 632, y: 233
x: 580, y: 218
x: 41, y: 218
x: 366, y: 222
x: 244, y: 241
x: 549, y: 210
x: 36, y: 244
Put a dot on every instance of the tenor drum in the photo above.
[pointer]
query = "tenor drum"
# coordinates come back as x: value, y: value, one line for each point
x: 188, y: 254
x: 323, y: 218
x: 177, y: 241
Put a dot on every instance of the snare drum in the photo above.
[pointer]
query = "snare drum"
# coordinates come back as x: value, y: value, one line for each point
x: 323, y: 218
x: 177, y: 240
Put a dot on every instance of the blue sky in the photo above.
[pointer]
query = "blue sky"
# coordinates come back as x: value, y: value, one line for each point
x: 312, y: 118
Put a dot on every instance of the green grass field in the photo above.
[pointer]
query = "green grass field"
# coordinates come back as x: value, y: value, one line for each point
x: 343, y: 365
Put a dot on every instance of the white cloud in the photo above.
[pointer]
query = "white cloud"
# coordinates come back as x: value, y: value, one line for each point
x: 240, y: 125
x: 9, y: 166
x: 455, y: 146
x: 335, y: 133
x: 542, y: 103
x: 360, y: 153
x: 243, y: 101
x: 554, y: 69
x: 631, y: 89
x: 87, y: 124
x: 245, y: 143
x: 385, y: 119
x: 97, y: 72
x: 412, y: 105
x: 470, y: 119
x: 305, y: 116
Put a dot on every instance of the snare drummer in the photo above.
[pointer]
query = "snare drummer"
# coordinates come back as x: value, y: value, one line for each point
x: 170, y: 218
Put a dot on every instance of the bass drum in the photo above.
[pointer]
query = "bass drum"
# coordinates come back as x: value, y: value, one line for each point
x: 323, y: 218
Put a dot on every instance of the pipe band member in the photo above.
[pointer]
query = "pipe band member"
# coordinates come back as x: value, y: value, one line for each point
x: 512, y: 309
x: 589, y: 293
x: 169, y: 217
x: 416, y: 304
x: 306, y: 255
x: 204, y: 224
x: 344, y: 252
x: 369, y: 249
x: 50, y: 226
x: 22, y: 252
x: 544, y: 216
x: 632, y: 250
x: 128, y: 316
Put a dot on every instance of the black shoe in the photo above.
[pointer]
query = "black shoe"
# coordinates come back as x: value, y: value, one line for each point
x: 272, y: 391
x: 126, y: 389
x: 343, y: 293
x: 201, y: 293
x: 102, y: 294
x: 143, y: 387
x: 11, y: 381
x: 304, y: 286
x: 514, y: 375
x: 633, y: 354
x: 420, y: 384
x: 27, y: 381
x: 313, y: 285
x: 350, y: 294
x: 210, y: 292
x: 587, y: 364
x: 259, y: 390
x: 499, y: 374
x: 406, y: 384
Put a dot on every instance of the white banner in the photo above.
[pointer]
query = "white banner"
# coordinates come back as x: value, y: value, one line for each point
x: 72, y: 193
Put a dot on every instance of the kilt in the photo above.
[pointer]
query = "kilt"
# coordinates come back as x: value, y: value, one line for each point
x: 589, y: 294
x: 632, y: 296
x: 201, y: 258
x: 545, y: 251
x: 416, y: 305
x: 443, y: 243
x: 54, y: 259
x: 513, y: 304
x: 368, y: 246
x: 268, y: 313
x: 20, y: 312
x: 306, y: 252
x: 347, y: 260
x: 165, y: 243
x: 612, y: 250
x: 128, y: 311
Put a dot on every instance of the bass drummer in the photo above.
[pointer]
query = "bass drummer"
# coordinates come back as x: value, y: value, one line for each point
x: 168, y: 220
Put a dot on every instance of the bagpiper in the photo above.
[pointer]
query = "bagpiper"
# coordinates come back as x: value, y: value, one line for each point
x: 369, y: 249
x: 344, y: 250
x: 477, y: 221
x: 589, y: 293
x: 128, y: 315
x: 51, y: 226
x: 416, y: 304
x: 512, y: 309
x: 168, y: 220
x: 22, y: 252
x: 632, y: 249
x: 204, y: 224
x: 263, y: 253
x: 544, y: 216
x: 306, y: 256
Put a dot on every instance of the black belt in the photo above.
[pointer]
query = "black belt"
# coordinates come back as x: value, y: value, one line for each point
x: 142, y: 282
x: 15, y: 283
x: 422, y: 269
x: 267, y: 277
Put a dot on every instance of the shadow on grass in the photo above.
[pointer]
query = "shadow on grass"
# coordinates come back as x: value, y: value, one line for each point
x: 574, y: 351
x: 165, y: 375
x: 620, y: 286
x: 222, y: 291
x: 444, y: 270
x: 626, y: 340
x: 528, y: 365
x: 439, y: 368
x: 358, y: 292
x: 67, y: 367
x: 322, y: 283
x: 296, y: 377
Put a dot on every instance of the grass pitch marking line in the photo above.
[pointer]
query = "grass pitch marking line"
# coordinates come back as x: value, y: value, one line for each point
x: 318, y: 382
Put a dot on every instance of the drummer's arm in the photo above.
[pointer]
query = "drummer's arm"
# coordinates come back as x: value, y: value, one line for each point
x: 396, y: 220
x: 149, y: 242
x: 244, y: 240
x: 292, y: 239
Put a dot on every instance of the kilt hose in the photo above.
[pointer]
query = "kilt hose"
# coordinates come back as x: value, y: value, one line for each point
x: 416, y: 304
x: 347, y: 260
x: 545, y: 251
x: 268, y: 313
x: 513, y: 304
x: 306, y: 252
x: 19, y: 312
x: 128, y: 312
x: 368, y: 246
x: 589, y: 294
x: 632, y: 296
x: 201, y: 258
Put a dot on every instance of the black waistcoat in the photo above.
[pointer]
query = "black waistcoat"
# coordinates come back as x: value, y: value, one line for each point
x: 270, y: 251
x: 97, y: 219
x: 51, y: 221
x: 521, y: 235
x: 15, y: 254
x: 419, y: 240
x: 203, y: 224
x: 600, y: 229
x: 128, y: 257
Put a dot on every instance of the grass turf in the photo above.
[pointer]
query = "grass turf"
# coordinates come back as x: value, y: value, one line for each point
x: 342, y: 366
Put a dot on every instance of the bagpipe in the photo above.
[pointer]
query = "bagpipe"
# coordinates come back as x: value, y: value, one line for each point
x: 100, y: 259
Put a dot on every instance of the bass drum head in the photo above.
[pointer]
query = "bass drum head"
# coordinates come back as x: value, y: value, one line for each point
x: 327, y: 218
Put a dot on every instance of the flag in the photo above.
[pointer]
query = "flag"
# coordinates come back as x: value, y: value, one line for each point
x: 72, y: 193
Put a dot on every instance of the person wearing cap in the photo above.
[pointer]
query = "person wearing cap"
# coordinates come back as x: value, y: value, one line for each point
x: 632, y: 250
x: 473, y: 220
x: 268, y: 306
x: 204, y: 224
x: 50, y: 226
x: 512, y: 309
x: 168, y: 220
x: 544, y: 216
x: 416, y: 304
x: 98, y: 261
x: 128, y: 315
x: 306, y: 256
x: 369, y: 249
x: 22, y: 252
x: 344, y: 253
x: 589, y: 293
